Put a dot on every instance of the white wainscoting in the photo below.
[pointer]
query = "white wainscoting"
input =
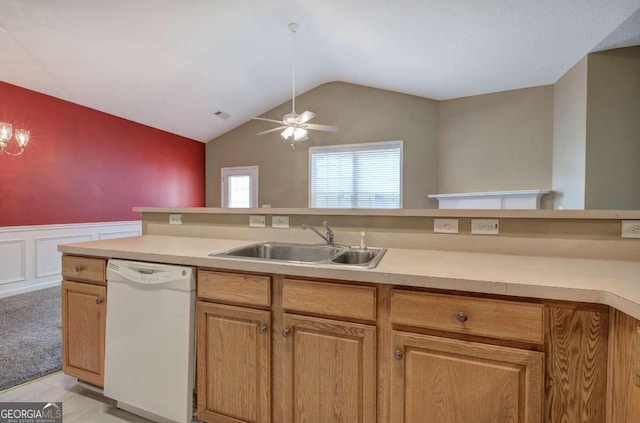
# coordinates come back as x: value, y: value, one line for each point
x: 29, y: 257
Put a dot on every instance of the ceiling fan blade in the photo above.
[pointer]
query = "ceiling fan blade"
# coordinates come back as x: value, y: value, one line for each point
x: 268, y: 120
x: 316, y: 127
x: 306, y: 117
x: 271, y: 130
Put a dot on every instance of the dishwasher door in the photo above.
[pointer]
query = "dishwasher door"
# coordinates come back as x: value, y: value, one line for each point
x: 150, y: 339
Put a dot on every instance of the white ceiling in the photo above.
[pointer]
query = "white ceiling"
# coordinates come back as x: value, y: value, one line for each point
x: 171, y: 64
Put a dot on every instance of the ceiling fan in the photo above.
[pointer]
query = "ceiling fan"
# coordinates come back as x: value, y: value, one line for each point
x: 294, y: 126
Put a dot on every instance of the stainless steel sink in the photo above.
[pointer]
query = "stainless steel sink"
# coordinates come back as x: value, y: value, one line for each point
x: 305, y: 253
x: 354, y: 257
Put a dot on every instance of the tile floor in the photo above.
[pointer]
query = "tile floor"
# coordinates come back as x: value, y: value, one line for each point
x: 79, y: 404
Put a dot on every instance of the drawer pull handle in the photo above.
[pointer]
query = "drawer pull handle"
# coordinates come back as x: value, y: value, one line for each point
x: 262, y: 330
x: 286, y: 332
x: 462, y: 317
x: 99, y: 300
x: 398, y: 355
x: 79, y: 268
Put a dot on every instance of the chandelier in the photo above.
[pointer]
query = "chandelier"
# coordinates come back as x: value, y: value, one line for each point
x: 21, y: 138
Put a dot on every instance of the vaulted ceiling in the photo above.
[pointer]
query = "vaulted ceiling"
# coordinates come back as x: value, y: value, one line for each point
x: 171, y: 64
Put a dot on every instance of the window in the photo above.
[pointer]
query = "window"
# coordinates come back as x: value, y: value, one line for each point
x: 239, y: 187
x: 356, y: 176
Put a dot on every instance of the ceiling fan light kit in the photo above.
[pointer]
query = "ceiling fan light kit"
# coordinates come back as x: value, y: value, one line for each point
x: 295, y: 126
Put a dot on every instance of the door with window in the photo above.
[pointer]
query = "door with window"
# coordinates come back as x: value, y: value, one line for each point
x: 239, y: 187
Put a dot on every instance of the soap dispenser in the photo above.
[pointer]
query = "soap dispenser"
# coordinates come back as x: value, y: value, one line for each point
x: 363, y: 244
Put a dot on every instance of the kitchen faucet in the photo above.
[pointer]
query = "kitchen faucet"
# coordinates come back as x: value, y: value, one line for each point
x: 328, y: 238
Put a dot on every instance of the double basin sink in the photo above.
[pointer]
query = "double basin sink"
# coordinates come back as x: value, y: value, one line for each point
x: 304, y: 253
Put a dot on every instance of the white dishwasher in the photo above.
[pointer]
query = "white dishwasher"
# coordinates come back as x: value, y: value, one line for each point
x: 149, y: 365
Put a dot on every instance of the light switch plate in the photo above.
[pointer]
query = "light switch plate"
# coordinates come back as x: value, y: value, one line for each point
x: 280, y: 222
x: 257, y: 221
x: 175, y: 219
x: 445, y: 226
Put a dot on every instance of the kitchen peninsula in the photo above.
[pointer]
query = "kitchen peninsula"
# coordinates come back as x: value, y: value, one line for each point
x: 544, y: 315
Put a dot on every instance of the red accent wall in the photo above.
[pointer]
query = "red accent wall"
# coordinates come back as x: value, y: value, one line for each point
x: 82, y: 165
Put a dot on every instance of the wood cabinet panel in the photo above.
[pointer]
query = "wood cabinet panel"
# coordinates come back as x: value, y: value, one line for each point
x: 83, y: 331
x: 234, y: 364
x: 84, y: 269
x: 498, y: 319
x: 620, y: 381
x: 450, y: 381
x: 333, y: 299
x: 329, y: 371
x: 576, y: 366
x: 234, y: 287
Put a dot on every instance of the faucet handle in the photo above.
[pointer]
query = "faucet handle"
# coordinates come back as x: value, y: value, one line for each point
x: 329, y: 233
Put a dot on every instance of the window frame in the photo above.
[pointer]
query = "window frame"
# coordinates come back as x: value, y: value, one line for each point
x: 353, y: 147
x: 251, y: 171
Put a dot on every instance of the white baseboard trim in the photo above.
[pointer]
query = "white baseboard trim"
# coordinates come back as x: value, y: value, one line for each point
x: 29, y: 257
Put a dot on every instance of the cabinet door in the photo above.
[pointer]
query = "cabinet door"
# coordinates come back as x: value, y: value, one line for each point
x: 234, y: 364
x: 83, y: 327
x: 449, y: 381
x: 329, y: 371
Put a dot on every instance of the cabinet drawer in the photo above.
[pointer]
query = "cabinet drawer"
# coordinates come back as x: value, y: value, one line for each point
x: 84, y: 269
x: 474, y: 316
x: 350, y: 301
x: 234, y: 287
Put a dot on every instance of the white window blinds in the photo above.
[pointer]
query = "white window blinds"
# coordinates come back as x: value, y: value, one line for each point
x: 356, y: 176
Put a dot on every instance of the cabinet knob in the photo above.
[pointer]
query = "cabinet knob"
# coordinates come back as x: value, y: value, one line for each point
x: 262, y: 330
x: 99, y: 300
x: 79, y: 268
x: 286, y: 332
x: 398, y: 355
x: 462, y: 317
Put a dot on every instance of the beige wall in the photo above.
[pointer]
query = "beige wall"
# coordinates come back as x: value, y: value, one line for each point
x: 569, y: 137
x: 613, y: 130
x: 579, y: 137
x: 363, y: 114
x: 596, y: 138
x: 496, y: 142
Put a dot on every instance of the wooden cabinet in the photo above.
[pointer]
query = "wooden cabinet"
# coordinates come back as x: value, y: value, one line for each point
x: 308, y: 347
x: 436, y: 379
x: 84, y: 308
x: 576, y: 371
x: 234, y: 364
x: 233, y: 348
x: 623, y: 382
x: 329, y: 361
x: 329, y: 371
x: 446, y: 380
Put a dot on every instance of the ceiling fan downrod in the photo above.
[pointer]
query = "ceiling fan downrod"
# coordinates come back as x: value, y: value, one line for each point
x: 293, y: 27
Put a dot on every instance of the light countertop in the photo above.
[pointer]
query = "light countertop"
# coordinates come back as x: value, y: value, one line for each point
x: 610, y: 282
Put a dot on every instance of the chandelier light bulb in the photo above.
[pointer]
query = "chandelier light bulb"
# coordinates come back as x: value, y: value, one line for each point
x: 21, y: 138
x: 6, y: 129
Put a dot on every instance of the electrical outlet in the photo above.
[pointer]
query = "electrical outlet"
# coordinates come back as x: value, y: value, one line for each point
x: 445, y: 226
x: 630, y: 229
x: 280, y: 222
x: 485, y: 227
x: 257, y: 221
x: 175, y: 219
